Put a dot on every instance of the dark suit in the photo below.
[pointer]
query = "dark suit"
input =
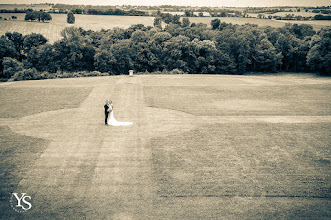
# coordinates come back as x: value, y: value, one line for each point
x: 106, y: 113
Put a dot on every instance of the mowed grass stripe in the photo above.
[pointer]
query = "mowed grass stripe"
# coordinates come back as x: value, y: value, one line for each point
x: 250, y: 160
x: 23, y: 101
x: 257, y: 100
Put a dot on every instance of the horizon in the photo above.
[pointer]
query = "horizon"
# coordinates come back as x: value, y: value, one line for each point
x: 193, y: 3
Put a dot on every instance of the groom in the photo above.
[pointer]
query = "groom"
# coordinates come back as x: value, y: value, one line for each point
x: 106, y: 112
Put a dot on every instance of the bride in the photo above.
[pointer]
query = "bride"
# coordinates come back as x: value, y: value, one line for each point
x: 112, y: 120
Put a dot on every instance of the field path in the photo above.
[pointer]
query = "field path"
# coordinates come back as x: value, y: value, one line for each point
x: 92, y: 170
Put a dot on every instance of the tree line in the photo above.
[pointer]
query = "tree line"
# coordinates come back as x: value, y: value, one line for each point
x: 37, y: 15
x: 115, y: 12
x: 187, y: 48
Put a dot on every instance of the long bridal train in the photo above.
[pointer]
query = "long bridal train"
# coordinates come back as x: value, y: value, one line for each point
x: 114, y: 122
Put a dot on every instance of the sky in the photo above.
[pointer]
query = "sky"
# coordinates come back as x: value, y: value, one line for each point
x: 215, y: 3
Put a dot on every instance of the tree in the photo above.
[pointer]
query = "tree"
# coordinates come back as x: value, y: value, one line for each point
x: 45, y: 58
x: 116, y: 60
x: 265, y: 56
x: 156, y: 45
x: 176, y: 20
x: 319, y: 55
x: 133, y: 28
x: 106, y: 39
x: 27, y: 74
x: 158, y: 22
x: 33, y: 40
x: 7, y: 49
x: 238, y: 14
x: 215, y: 23
x: 224, y: 62
x: 189, y: 13
x: 71, y: 34
x: 30, y: 16
x: 209, y: 59
x: 176, y: 53
x: 76, y: 51
x: 186, y: 22
x: 301, y: 31
x: 37, y: 15
x: 139, y: 36
x: 142, y: 57
x: 78, y: 11
x: 45, y: 16
x: 167, y: 18
x: 70, y: 18
x: 11, y: 66
x: 286, y: 45
x: 292, y: 42
x: 17, y: 39
x: 205, y: 52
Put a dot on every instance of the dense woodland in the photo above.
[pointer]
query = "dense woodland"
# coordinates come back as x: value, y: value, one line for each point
x: 180, y: 47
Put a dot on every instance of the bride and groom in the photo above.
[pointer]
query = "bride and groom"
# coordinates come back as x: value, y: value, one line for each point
x: 109, y: 116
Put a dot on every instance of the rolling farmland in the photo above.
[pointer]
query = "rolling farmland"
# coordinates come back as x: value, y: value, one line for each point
x: 53, y: 29
x: 317, y: 25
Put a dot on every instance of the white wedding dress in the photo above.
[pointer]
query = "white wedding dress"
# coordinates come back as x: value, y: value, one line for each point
x: 112, y: 121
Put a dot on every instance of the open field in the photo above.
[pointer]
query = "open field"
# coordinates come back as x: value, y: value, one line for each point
x: 201, y: 147
x: 317, y: 25
x: 35, y: 7
x: 53, y: 29
x: 283, y: 14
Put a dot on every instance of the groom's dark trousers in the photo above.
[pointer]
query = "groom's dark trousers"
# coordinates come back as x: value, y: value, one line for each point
x: 106, y: 113
x: 106, y: 117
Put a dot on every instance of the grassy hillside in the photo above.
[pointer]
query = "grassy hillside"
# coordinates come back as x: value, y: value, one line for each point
x: 201, y: 147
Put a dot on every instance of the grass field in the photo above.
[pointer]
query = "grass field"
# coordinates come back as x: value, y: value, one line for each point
x: 53, y: 29
x: 43, y: 99
x: 201, y: 147
x: 283, y: 14
x: 36, y: 7
x: 317, y: 25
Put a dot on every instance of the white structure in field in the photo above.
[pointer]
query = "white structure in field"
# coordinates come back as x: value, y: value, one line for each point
x: 130, y: 72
